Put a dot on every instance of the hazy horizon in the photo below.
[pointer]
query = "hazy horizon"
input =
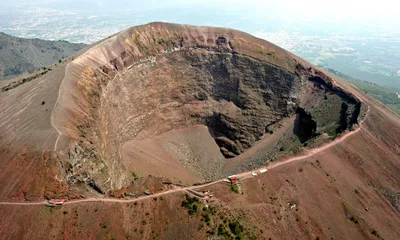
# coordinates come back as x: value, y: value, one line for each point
x: 310, y: 16
x: 358, y: 38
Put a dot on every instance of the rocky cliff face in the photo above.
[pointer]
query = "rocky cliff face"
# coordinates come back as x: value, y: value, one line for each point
x: 255, y: 89
x: 154, y: 78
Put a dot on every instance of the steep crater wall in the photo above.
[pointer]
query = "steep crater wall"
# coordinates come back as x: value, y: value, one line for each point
x: 155, y: 78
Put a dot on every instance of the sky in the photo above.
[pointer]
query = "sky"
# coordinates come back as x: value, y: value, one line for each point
x: 382, y: 11
x: 357, y: 17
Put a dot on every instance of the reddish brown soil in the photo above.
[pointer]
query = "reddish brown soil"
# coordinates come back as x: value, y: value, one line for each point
x: 29, y: 175
x: 166, y: 155
x: 29, y: 172
x: 151, y: 219
x: 344, y: 192
x: 117, y: 98
x: 349, y: 181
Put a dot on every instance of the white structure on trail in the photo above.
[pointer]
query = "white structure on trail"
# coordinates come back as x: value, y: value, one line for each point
x: 263, y: 170
x: 56, y: 202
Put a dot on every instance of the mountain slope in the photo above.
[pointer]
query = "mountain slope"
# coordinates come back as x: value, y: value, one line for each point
x: 159, y: 107
x: 19, y: 55
x: 389, y: 96
x: 345, y: 192
x: 148, y: 86
x: 182, y: 103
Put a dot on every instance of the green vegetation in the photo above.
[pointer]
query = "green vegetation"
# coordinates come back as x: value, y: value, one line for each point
x: 15, y: 84
x: 235, y: 188
x: 353, y: 219
x: 376, y: 234
x: 273, y: 198
x: 266, y: 52
x: 217, y: 223
x: 236, y: 228
x: 191, y: 203
x: 49, y: 209
x: 134, y: 175
x: 103, y: 225
x: 206, y: 216
x: 325, y: 117
x: 385, y: 95
x: 231, y: 229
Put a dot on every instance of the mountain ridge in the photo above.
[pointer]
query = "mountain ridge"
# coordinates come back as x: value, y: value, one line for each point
x: 21, y: 55
x: 235, y: 84
x: 125, y: 130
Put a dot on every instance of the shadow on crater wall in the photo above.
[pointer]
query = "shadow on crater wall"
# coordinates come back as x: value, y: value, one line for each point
x: 304, y: 125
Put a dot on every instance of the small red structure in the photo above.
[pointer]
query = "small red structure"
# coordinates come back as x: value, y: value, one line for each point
x: 233, y: 179
x: 57, y: 201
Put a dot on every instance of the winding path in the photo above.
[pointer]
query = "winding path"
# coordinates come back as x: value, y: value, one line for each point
x: 243, y: 175
x: 56, y: 105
